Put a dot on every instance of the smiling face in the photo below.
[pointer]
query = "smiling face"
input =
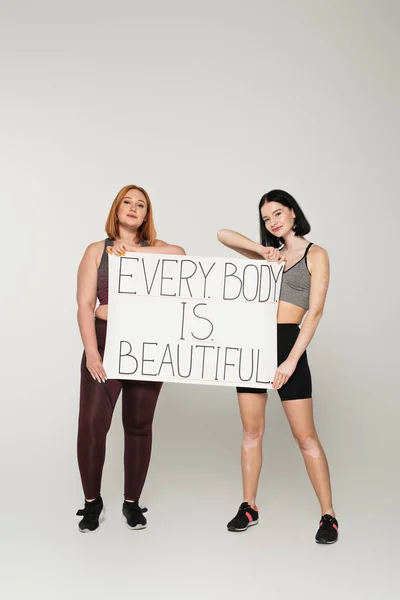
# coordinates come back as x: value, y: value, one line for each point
x: 133, y: 209
x: 278, y: 219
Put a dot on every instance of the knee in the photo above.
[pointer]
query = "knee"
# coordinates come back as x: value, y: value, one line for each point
x: 138, y: 428
x: 252, y: 434
x: 309, y: 444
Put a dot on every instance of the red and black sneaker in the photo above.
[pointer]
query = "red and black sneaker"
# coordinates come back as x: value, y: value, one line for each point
x: 246, y: 517
x: 328, y: 530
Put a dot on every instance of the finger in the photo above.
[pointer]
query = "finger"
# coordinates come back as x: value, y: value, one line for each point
x: 95, y: 372
x: 276, y: 379
x: 103, y: 374
x: 92, y: 372
x: 99, y: 373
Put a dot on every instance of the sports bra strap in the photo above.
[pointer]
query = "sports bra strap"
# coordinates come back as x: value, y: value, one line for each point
x: 307, y: 249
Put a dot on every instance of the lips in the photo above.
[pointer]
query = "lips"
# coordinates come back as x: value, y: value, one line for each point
x: 132, y: 216
x: 276, y: 229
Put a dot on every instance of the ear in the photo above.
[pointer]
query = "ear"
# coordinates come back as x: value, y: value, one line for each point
x: 293, y: 213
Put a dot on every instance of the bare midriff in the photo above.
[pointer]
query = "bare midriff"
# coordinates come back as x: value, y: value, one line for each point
x: 290, y: 313
x: 102, y: 312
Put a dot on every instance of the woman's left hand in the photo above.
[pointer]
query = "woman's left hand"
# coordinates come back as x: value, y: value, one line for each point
x: 284, y: 373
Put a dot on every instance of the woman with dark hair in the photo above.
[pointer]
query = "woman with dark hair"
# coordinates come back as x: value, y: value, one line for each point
x: 130, y: 224
x: 305, y: 279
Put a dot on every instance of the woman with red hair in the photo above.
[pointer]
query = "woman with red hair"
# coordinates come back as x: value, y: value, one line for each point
x: 129, y: 227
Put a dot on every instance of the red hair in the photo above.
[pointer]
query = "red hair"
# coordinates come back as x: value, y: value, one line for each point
x: 146, y: 232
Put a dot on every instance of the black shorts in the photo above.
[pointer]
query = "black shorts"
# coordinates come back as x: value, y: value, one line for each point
x: 299, y: 385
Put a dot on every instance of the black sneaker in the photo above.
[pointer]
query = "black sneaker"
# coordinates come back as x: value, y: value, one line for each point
x: 92, y: 514
x: 133, y: 515
x: 246, y: 517
x: 328, y: 530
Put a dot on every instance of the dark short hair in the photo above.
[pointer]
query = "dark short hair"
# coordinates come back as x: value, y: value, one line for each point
x: 302, y: 225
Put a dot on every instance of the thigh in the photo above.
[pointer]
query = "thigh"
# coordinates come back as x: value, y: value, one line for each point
x: 139, y: 400
x: 252, y: 409
x: 300, y: 416
x: 299, y: 385
x: 97, y: 397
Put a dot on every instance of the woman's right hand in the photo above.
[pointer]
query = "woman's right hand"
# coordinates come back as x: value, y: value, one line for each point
x: 272, y: 254
x: 119, y: 248
x: 94, y: 365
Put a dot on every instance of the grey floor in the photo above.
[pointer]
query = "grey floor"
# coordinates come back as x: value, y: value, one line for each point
x: 193, y: 488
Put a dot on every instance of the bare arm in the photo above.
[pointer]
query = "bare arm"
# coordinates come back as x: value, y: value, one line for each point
x: 241, y: 244
x: 319, y: 268
x: 86, y: 297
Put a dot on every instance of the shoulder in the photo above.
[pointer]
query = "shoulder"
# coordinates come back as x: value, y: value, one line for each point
x: 317, y: 258
x: 94, y: 252
x: 95, y: 247
x: 317, y: 251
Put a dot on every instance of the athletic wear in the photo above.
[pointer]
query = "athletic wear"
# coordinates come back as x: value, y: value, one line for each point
x: 245, y: 517
x: 133, y: 515
x: 92, y: 514
x: 299, y: 386
x: 328, y: 530
x: 97, y: 405
x: 102, y: 273
x: 296, y: 283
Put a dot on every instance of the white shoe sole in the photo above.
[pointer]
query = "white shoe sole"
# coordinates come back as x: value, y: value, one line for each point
x: 245, y: 528
x: 101, y: 519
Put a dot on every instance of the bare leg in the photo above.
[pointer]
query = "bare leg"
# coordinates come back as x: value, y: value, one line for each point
x: 252, y: 412
x: 301, y: 421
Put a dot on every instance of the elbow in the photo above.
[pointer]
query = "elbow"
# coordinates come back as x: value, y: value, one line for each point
x: 221, y: 235
x: 316, y: 313
x: 84, y: 307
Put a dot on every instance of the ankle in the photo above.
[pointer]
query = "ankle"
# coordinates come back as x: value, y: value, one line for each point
x: 328, y: 511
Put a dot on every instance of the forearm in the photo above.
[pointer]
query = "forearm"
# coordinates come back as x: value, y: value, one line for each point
x: 87, y: 329
x: 240, y: 243
x: 305, y: 336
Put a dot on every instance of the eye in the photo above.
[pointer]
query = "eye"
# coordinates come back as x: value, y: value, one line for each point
x: 278, y: 213
x: 126, y: 201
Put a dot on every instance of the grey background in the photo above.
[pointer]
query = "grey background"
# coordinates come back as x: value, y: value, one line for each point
x: 207, y: 105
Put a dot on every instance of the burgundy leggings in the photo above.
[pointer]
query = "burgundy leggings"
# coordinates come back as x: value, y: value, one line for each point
x: 97, y: 403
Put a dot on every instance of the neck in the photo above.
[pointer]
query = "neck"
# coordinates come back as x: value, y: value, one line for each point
x: 128, y: 235
x: 292, y: 242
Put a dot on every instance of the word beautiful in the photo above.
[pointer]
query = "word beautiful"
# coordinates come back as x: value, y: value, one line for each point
x: 194, y: 320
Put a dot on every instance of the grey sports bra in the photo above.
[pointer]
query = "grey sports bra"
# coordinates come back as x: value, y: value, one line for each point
x: 296, y: 283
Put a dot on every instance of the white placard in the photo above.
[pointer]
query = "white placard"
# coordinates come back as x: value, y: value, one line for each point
x: 188, y: 319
